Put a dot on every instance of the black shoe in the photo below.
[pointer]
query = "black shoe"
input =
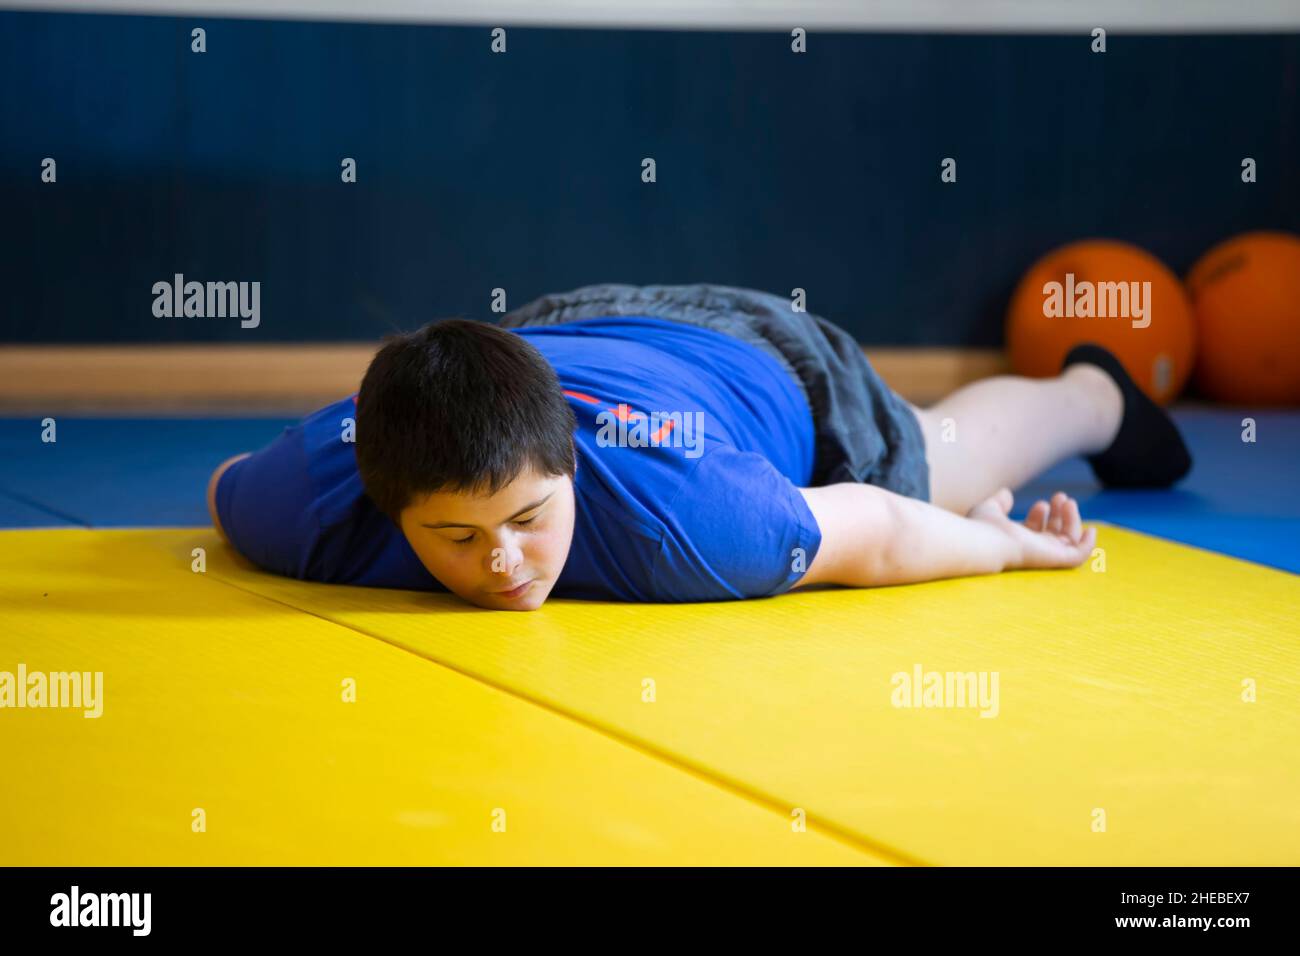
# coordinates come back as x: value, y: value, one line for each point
x: 1148, y: 450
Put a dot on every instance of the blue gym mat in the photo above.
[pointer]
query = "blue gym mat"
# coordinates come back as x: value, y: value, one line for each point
x: 1240, y: 498
x: 119, y: 472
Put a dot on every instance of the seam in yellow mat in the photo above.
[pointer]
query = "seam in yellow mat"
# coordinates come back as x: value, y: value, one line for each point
x: 853, y: 840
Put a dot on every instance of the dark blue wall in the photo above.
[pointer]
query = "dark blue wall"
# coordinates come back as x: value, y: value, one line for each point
x: 523, y: 170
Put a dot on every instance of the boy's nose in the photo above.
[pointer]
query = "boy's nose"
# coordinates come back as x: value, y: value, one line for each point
x: 505, y: 559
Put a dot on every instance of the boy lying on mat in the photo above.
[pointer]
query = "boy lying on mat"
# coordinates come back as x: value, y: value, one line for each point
x: 674, y: 443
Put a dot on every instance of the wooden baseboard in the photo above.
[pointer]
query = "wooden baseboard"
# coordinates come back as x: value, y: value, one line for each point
x: 925, y: 375
x: 290, y: 378
x: 296, y: 379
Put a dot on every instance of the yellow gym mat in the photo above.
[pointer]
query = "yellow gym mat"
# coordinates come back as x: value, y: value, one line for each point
x: 1146, y: 713
x: 225, y: 709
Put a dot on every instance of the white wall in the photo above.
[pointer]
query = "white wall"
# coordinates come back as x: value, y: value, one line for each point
x: 1002, y: 16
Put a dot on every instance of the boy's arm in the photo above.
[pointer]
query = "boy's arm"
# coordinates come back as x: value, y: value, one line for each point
x: 871, y: 536
x: 212, y: 491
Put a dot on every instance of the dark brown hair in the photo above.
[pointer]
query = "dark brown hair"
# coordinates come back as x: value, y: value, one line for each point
x: 460, y: 406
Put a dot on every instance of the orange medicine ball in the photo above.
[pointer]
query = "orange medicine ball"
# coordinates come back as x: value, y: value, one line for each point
x: 1111, y: 293
x: 1246, y: 301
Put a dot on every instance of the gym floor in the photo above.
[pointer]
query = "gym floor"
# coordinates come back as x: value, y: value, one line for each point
x: 254, y: 719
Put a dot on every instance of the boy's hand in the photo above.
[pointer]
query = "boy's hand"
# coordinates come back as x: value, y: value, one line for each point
x: 1052, y: 536
x: 873, y: 537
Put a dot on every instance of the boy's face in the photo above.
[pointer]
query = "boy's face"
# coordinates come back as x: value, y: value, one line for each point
x: 479, y: 547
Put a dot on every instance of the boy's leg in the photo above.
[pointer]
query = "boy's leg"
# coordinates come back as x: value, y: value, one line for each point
x: 1002, y: 431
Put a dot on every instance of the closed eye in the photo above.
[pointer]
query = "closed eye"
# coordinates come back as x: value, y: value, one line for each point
x: 467, y: 539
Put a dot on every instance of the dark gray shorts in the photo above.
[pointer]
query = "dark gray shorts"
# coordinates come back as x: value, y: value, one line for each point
x: 863, y: 431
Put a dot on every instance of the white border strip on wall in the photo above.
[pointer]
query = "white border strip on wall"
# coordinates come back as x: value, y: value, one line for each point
x: 978, y: 16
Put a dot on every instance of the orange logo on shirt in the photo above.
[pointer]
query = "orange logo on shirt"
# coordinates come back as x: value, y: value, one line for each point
x: 624, y: 413
x: 622, y: 410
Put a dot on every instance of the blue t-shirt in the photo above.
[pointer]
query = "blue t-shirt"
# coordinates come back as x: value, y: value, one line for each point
x: 691, y: 445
